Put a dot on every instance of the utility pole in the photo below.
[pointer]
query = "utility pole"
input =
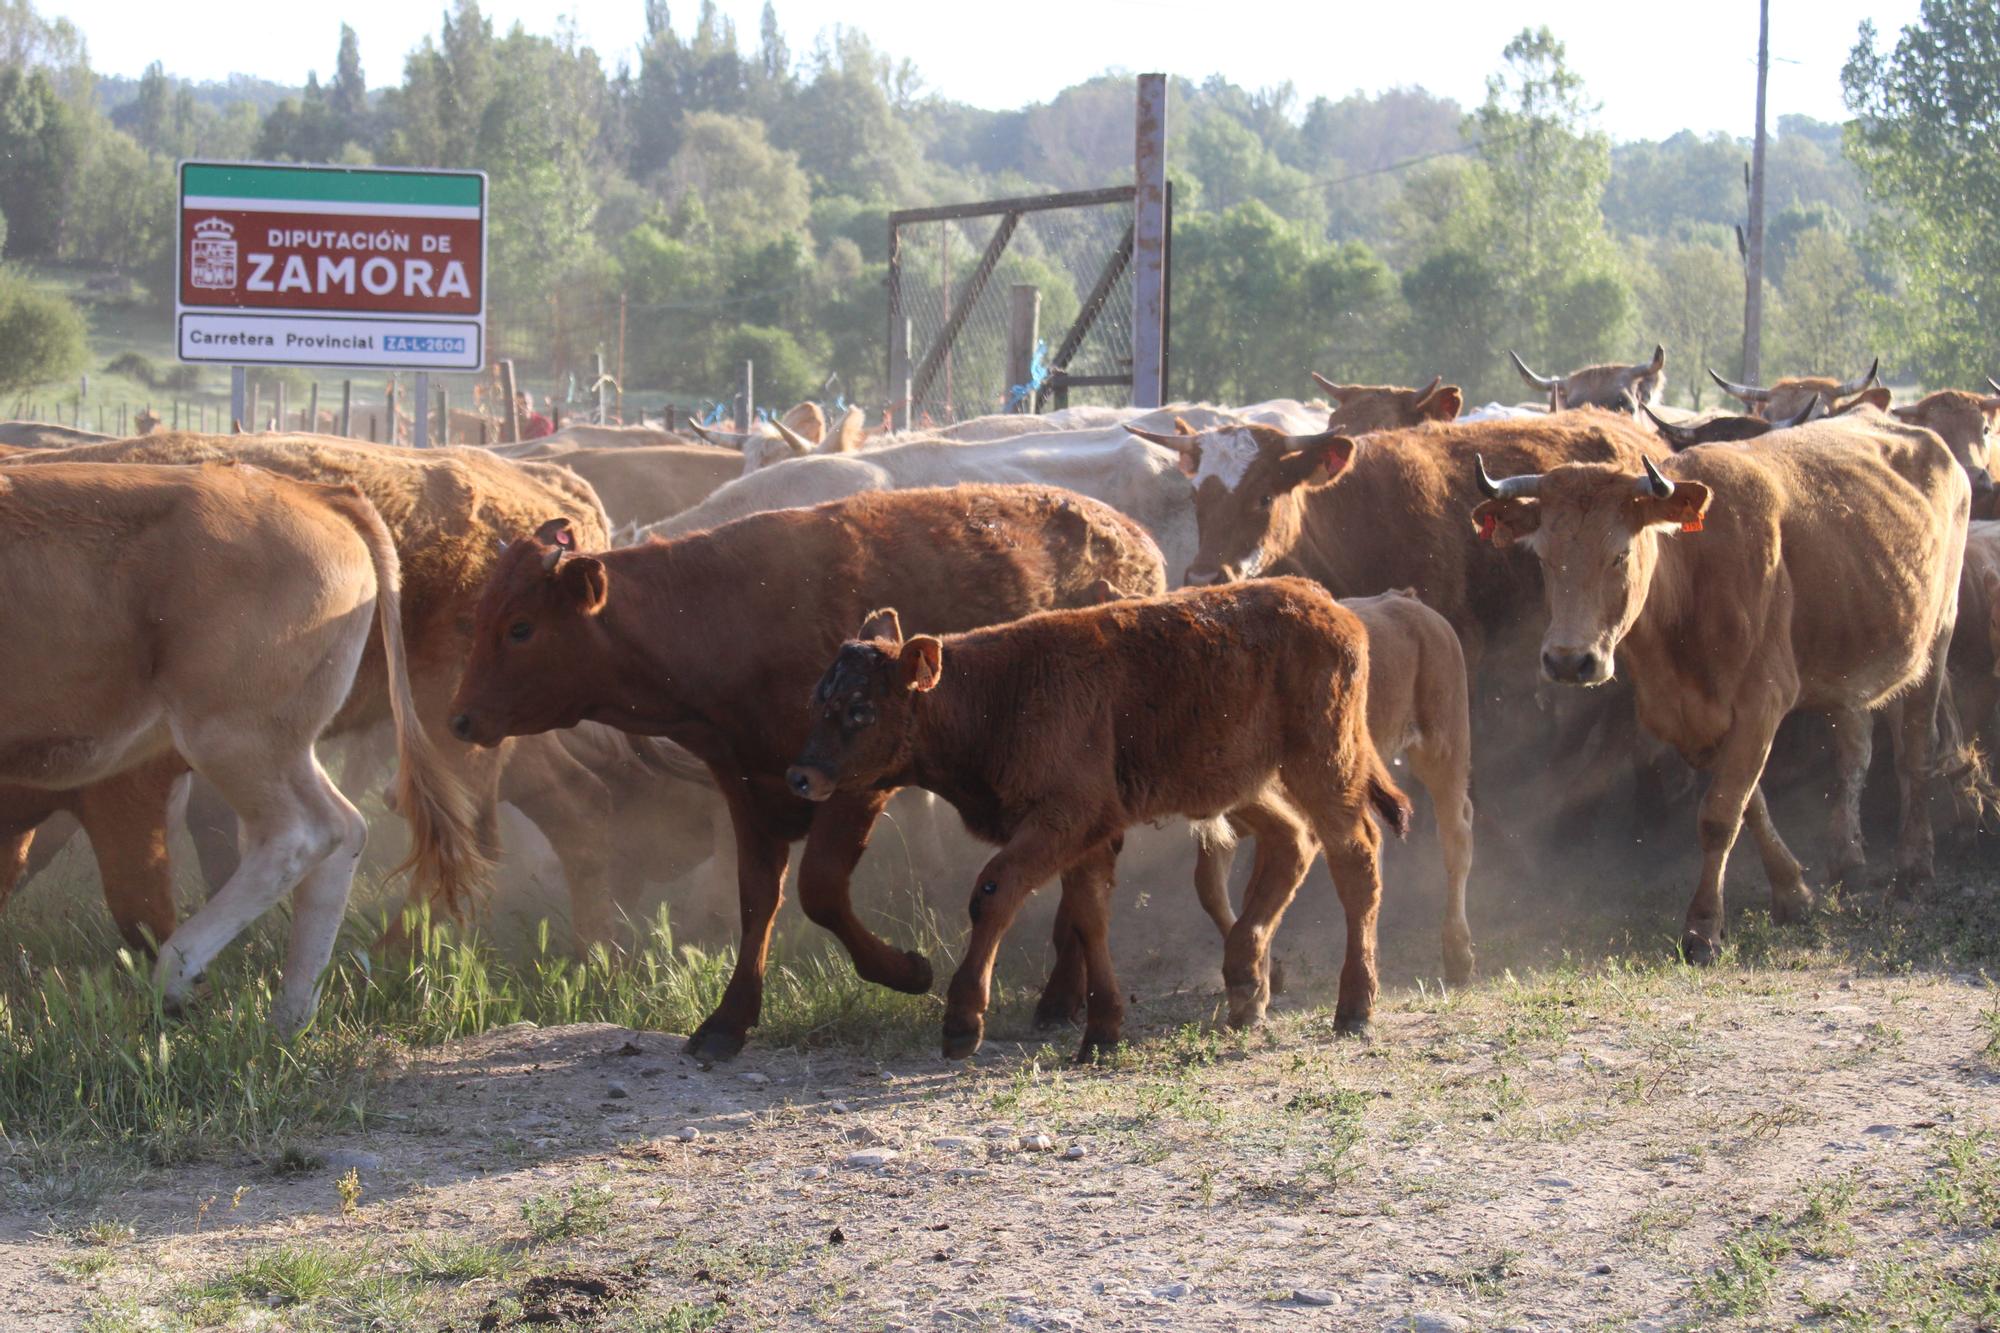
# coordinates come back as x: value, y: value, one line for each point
x: 1753, y: 251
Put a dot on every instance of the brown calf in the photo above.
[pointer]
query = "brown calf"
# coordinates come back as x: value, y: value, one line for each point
x: 1962, y: 421
x: 1818, y: 570
x: 710, y: 639
x: 1053, y: 735
x: 1361, y: 408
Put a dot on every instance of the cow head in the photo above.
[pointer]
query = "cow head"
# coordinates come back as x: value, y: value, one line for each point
x: 524, y: 675
x: 1617, y: 388
x: 1596, y: 531
x: 1788, y: 397
x: 864, y: 709
x: 1361, y: 408
x: 1246, y: 491
x: 1962, y: 420
x: 1681, y: 435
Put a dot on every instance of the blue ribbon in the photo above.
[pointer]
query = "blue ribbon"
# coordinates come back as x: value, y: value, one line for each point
x: 1038, y: 372
x: 714, y: 416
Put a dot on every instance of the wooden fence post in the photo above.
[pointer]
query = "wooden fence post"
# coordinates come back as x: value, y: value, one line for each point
x: 1149, y: 241
x: 900, y: 383
x: 312, y: 410
x: 513, y: 417
x: 347, y: 409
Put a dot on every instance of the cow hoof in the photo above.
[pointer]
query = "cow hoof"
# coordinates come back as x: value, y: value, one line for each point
x: 1352, y: 1027
x: 1698, y: 950
x: 1459, y: 964
x: 1097, y: 1048
x: 1853, y: 874
x: 918, y: 982
x: 714, y: 1045
x: 961, y: 1042
x: 1789, y: 909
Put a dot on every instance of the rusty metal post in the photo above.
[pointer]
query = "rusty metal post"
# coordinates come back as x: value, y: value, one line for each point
x: 513, y: 417
x: 1149, y: 242
x: 1024, y: 324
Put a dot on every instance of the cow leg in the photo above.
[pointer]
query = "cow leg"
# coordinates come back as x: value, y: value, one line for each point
x: 572, y: 807
x: 1853, y: 750
x: 292, y: 821
x: 1446, y: 772
x: 1284, y: 853
x: 838, y: 837
x: 1067, y: 993
x: 319, y: 905
x: 1915, y: 739
x: 1790, y: 898
x: 126, y: 818
x: 761, y: 857
x: 46, y: 841
x: 1087, y: 887
x: 1738, y: 764
x: 1213, y: 860
x: 211, y: 826
x: 1036, y: 853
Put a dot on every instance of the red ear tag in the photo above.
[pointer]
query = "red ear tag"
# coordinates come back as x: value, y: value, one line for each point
x: 1692, y: 525
x: 1486, y: 525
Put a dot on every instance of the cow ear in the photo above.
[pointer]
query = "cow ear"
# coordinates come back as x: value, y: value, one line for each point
x: 1189, y: 459
x: 1989, y: 406
x: 1877, y: 398
x: 1683, y: 509
x: 1443, y: 405
x: 1504, y: 522
x: 556, y: 532
x: 923, y: 663
x: 1182, y: 428
x: 883, y: 624
x: 1322, y: 460
x: 584, y: 579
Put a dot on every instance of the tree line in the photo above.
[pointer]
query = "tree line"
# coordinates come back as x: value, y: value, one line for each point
x: 735, y: 193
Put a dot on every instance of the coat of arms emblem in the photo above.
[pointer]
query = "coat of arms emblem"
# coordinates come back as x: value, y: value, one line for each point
x: 212, y: 255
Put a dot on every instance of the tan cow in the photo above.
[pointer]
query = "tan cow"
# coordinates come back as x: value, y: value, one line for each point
x: 448, y: 511
x: 1817, y: 569
x: 46, y: 435
x: 1790, y: 396
x: 655, y: 482
x: 1417, y: 710
x: 1359, y: 409
x: 1616, y: 388
x: 1962, y: 421
x: 219, y: 612
x: 1975, y: 648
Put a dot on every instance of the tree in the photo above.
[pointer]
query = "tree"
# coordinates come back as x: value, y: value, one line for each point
x: 1456, y: 310
x: 1548, y: 171
x: 1927, y: 116
x: 1691, y: 300
x: 1821, y: 324
x: 42, y: 337
x: 347, y: 97
x: 752, y: 191
x: 42, y: 141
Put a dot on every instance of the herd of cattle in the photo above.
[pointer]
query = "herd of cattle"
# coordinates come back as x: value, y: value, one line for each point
x: 737, y: 642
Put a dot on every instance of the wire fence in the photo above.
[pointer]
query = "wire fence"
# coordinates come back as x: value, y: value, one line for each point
x: 952, y: 278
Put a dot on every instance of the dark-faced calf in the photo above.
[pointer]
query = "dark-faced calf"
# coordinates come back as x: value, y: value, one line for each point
x: 1055, y: 733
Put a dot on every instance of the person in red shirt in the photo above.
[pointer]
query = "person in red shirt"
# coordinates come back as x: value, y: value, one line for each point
x: 533, y: 424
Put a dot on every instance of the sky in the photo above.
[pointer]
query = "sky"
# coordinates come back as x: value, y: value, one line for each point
x: 1656, y: 68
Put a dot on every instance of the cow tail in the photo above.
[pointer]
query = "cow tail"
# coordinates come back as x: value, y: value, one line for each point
x: 444, y: 846
x: 1387, y: 797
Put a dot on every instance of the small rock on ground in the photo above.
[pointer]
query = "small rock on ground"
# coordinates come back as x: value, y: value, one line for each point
x: 353, y: 1159
x: 1430, y: 1321
x: 873, y: 1157
x: 1314, y: 1296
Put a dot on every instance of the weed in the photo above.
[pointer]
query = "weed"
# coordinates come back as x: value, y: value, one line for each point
x: 448, y: 1260
x: 84, y: 1266
x: 288, y: 1275
x: 582, y: 1210
x: 348, y: 1187
x: 1741, y: 1284
x: 1965, y: 1187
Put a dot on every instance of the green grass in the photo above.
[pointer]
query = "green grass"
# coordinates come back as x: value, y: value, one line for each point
x: 287, y: 1275
x: 581, y: 1210
x: 444, y: 1259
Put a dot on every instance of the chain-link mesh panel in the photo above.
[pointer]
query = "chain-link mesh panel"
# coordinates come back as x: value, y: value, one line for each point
x: 1075, y: 255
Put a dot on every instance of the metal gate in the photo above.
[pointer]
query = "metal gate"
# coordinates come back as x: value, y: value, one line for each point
x: 963, y: 341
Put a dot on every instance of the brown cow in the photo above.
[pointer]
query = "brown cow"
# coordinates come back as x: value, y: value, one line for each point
x: 448, y: 510
x: 1962, y: 421
x: 1826, y: 578
x: 1361, y: 408
x: 1791, y: 396
x: 1975, y: 648
x: 1417, y: 710
x: 134, y: 662
x: 710, y: 639
x: 1726, y: 428
x: 1054, y: 734
x: 1615, y: 388
x: 46, y: 435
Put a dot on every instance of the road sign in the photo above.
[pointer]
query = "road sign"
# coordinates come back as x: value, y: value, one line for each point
x: 331, y: 266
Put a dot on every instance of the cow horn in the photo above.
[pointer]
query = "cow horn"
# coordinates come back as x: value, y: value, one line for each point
x: 1749, y: 393
x: 797, y: 443
x: 1546, y: 383
x: 1429, y: 389
x: 1653, y: 483
x: 1678, y: 437
x: 700, y: 433
x: 1178, y: 443
x: 1294, y: 443
x: 1856, y: 386
x: 1659, y: 361
x: 1324, y: 382
x: 1993, y: 384
x: 1508, y: 488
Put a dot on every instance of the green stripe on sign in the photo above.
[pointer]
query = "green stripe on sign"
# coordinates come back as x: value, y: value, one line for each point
x: 331, y: 185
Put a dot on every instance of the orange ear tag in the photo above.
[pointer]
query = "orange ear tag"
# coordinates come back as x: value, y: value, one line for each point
x: 1692, y: 525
